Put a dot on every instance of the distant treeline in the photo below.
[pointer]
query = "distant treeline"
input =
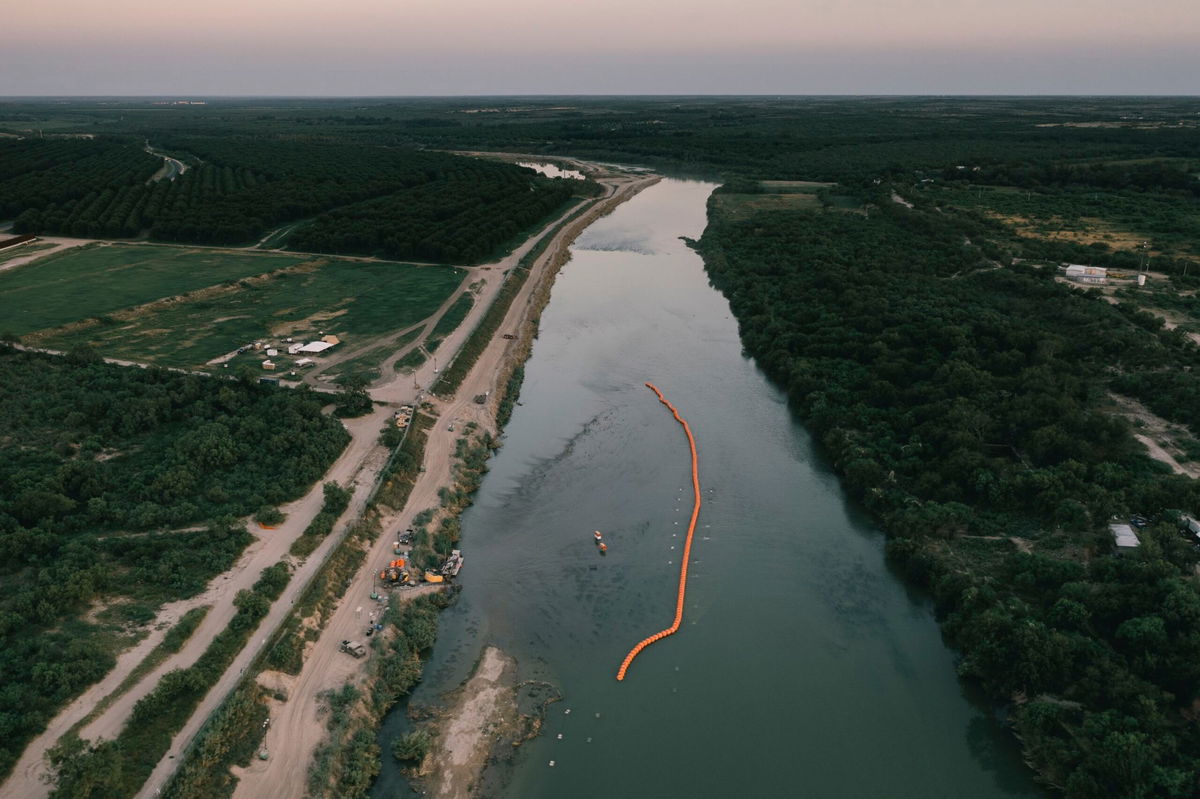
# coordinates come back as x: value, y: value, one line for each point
x: 427, y: 205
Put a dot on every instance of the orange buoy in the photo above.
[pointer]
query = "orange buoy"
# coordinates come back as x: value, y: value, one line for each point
x: 687, y: 545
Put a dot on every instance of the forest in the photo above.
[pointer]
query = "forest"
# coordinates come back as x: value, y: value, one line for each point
x: 958, y: 396
x: 392, y: 201
x: 94, y: 457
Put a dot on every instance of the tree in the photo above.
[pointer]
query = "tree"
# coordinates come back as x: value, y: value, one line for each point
x: 353, y: 400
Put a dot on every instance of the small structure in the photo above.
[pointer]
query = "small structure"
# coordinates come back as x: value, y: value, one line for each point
x: 1087, y: 274
x: 305, y: 362
x: 271, y: 353
x: 294, y: 348
x: 331, y: 340
x: 1191, y: 527
x: 1124, y: 538
x: 269, y: 366
x: 314, y: 347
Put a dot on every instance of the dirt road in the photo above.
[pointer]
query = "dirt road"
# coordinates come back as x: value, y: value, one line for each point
x: 296, y: 730
x: 59, y: 243
x: 358, y: 464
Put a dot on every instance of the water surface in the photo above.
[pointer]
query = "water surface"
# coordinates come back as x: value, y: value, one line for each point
x: 552, y: 170
x: 803, y: 668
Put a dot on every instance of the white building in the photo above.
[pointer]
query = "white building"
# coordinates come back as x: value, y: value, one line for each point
x: 1124, y: 538
x: 1087, y: 274
x: 313, y: 347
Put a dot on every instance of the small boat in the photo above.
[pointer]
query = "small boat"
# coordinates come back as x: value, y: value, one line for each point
x: 603, y: 547
x: 596, y: 535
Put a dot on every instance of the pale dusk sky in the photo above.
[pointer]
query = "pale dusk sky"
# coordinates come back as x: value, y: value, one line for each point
x: 435, y: 47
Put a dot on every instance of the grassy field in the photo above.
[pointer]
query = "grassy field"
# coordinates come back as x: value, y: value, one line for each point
x: 354, y: 301
x: 776, y: 195
x: 97, y: 280
x: 450, y: 321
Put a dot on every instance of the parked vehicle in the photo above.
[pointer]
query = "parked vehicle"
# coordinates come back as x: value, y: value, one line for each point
x: 354, y: 648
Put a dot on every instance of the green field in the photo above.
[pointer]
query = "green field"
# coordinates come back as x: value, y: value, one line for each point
x: 97, y: 280
x: 450, y: 320
x: 354, y: 301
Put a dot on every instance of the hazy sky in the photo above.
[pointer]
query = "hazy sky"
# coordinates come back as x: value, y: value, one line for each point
x: 407, y: 47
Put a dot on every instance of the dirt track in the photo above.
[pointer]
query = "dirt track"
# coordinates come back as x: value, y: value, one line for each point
x: 293, y: 736
x: 296, y: 730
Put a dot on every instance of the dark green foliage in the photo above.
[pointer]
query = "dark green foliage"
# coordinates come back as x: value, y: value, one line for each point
x: 102, y: 180
x: 512, y: 390
x: 390, y: 201
x: 463, y: 217
x: 959, y: 399
x: 269, y: 515
x: 398, y: 478
x: 350, y: 758
x: 92, y: 452
x: 231, y: 737
x: 411, y: 748
x: 337, y: 499
x: 353, y: 400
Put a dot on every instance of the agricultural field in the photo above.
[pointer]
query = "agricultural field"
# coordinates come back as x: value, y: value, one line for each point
x: 741, y: 199
x: 354, y: 301
x: 98, y: 280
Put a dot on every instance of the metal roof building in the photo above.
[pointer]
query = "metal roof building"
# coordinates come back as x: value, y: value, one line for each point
x: 1124, y: 538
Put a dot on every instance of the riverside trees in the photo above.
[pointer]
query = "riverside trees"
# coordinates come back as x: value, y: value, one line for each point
x: 962, y: 402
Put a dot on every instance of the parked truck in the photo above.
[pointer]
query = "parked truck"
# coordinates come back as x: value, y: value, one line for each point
x: 354, y: 648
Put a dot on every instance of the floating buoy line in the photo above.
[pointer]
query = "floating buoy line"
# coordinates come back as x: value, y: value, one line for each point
x: 687, y: 545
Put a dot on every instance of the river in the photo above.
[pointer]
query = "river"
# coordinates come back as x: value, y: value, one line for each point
x: 804, y: 667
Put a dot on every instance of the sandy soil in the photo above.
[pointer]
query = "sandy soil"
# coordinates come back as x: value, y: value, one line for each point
x: 484, y: 708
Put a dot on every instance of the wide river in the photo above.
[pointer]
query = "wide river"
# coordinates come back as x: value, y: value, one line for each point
x: 804, y: 667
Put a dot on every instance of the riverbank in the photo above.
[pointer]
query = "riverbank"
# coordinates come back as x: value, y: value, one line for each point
x: 325, y: 668
x: 782, y: 565
x: 481, y: 715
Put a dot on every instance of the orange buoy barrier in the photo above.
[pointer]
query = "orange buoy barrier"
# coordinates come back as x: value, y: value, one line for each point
x: 687, y: 544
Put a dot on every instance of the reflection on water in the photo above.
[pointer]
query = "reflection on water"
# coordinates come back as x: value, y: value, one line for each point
x: 553, y: 170
x: 802, y: 668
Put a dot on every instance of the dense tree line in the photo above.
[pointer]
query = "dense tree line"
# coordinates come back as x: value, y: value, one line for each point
x: 959, y: 401
x: 434, y: 206
x: 95, y: 454
x: 463, y: 217
x: 56, y: 173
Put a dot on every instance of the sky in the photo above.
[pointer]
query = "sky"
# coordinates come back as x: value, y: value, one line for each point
x: 474, y: 47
